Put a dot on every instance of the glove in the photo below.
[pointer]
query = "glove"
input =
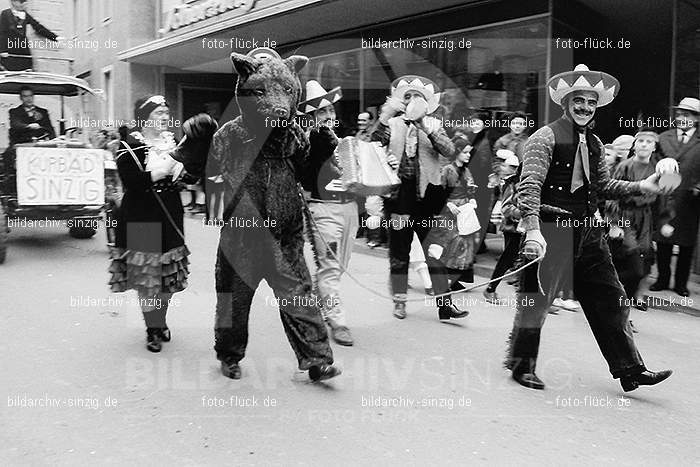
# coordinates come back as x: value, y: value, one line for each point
x: 391, y: 107
x: 667, y: 165
x: 200, y: 127
x: 535, y: 245
x: 194, y: 147
x: 616, y: 232
x: 435, y: 251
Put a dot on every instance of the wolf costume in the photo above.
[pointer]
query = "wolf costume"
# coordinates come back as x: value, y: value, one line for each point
x: 259, y: 154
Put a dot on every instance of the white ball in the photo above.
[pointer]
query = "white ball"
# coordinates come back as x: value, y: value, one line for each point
x: 667, y: 230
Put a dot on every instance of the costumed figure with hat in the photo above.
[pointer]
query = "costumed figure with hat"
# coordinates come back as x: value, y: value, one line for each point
x: 421, y: 147
x: 149, y: 253
x: 260, y: 155
x: 632, y: 218
x: 681, y: 209
x: 564, y: 177
x: 334, y: 211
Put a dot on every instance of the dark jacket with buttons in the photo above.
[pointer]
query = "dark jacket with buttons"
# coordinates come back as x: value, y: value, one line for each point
x: 13, y: 39
x: 683, y: 205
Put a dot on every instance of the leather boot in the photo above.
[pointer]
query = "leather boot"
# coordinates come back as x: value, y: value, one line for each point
x: 153, y: 340
x: 447, y: 309
x: 231, y: 369
x: 323, y: 372
x: 525, y: 343
x: 645, y: 378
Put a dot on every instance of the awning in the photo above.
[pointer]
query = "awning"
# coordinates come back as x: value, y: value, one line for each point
x: 43, y: 83
x: 286, y: 23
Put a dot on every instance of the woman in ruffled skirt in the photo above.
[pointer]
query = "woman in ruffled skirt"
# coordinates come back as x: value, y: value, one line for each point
x: 150, y: 255
x: 455, y: 249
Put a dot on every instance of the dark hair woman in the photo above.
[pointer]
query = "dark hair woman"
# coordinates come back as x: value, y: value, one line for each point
x: 150, y: 254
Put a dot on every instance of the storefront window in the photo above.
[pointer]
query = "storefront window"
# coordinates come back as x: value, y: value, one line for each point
x: 499, y: 69
x: 687, y: 63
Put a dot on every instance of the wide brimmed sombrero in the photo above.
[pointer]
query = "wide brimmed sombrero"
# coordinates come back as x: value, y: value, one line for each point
x: 583, y: 79
x: 263, y: 53
x: 318, y: 98
x: 427, y: 88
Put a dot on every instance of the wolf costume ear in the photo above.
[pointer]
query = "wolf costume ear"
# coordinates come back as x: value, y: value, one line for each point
x: 296, y: 62
x: 243, y: 65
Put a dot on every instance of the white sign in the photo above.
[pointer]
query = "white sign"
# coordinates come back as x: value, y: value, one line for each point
x: 56, y: 176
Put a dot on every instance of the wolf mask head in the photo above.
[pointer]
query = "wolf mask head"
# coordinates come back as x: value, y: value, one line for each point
x: 268, y: 87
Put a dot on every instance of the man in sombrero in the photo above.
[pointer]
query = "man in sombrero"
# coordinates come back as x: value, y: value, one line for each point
x: 334, y: 211
x: 421, y: 147
x: 564, y: 179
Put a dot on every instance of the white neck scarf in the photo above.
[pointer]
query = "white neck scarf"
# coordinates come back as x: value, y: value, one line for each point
x: 19, y: 14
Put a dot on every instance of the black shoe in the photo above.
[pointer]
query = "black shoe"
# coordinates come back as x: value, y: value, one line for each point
x: 164, y: 334
x: 451, y: 311
x: 658, y: 286
x: 682, y: 291
x: 399, y: 310
x: 529, y: 380
x: 323, y: 372
x: 153, y: 341
x: 231, y: 370
x: 645, y: 378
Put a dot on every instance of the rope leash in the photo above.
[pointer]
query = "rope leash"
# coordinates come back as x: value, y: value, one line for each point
x: 307, y: 212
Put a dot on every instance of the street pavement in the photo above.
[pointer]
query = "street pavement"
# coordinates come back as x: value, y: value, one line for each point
x: 79, y: 387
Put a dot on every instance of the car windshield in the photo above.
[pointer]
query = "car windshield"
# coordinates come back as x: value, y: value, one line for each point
x: 47, y: 108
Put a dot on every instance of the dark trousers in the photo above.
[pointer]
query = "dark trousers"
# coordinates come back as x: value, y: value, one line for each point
x: 484, y: 207
x: 629, y: 265
x: 663, y: 258
x: 511, y: 248
x: 240, y: 266
x: 579, y: 257
x: 406, y: 215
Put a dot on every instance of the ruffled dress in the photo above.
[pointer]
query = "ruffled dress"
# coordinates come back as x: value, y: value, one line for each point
x: 458, y: 250
x: 150, y: 254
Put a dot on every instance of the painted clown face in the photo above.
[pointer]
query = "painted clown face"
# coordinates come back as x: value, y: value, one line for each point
x: 580, y: 106
x: 325, y: 116
x: 411, y: 94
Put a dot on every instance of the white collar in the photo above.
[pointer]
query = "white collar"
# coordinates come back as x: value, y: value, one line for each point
x: 689, y: 132
x: 19, y: 14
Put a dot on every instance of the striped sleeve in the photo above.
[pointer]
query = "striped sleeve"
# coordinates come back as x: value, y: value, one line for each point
x: 441, y: 142
x: 537, y: 156
x: 611, y: 188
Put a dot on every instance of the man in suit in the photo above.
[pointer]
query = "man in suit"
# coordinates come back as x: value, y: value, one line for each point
x: 679, y: 221
x: 13, y: 36
x: 28, y: 121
